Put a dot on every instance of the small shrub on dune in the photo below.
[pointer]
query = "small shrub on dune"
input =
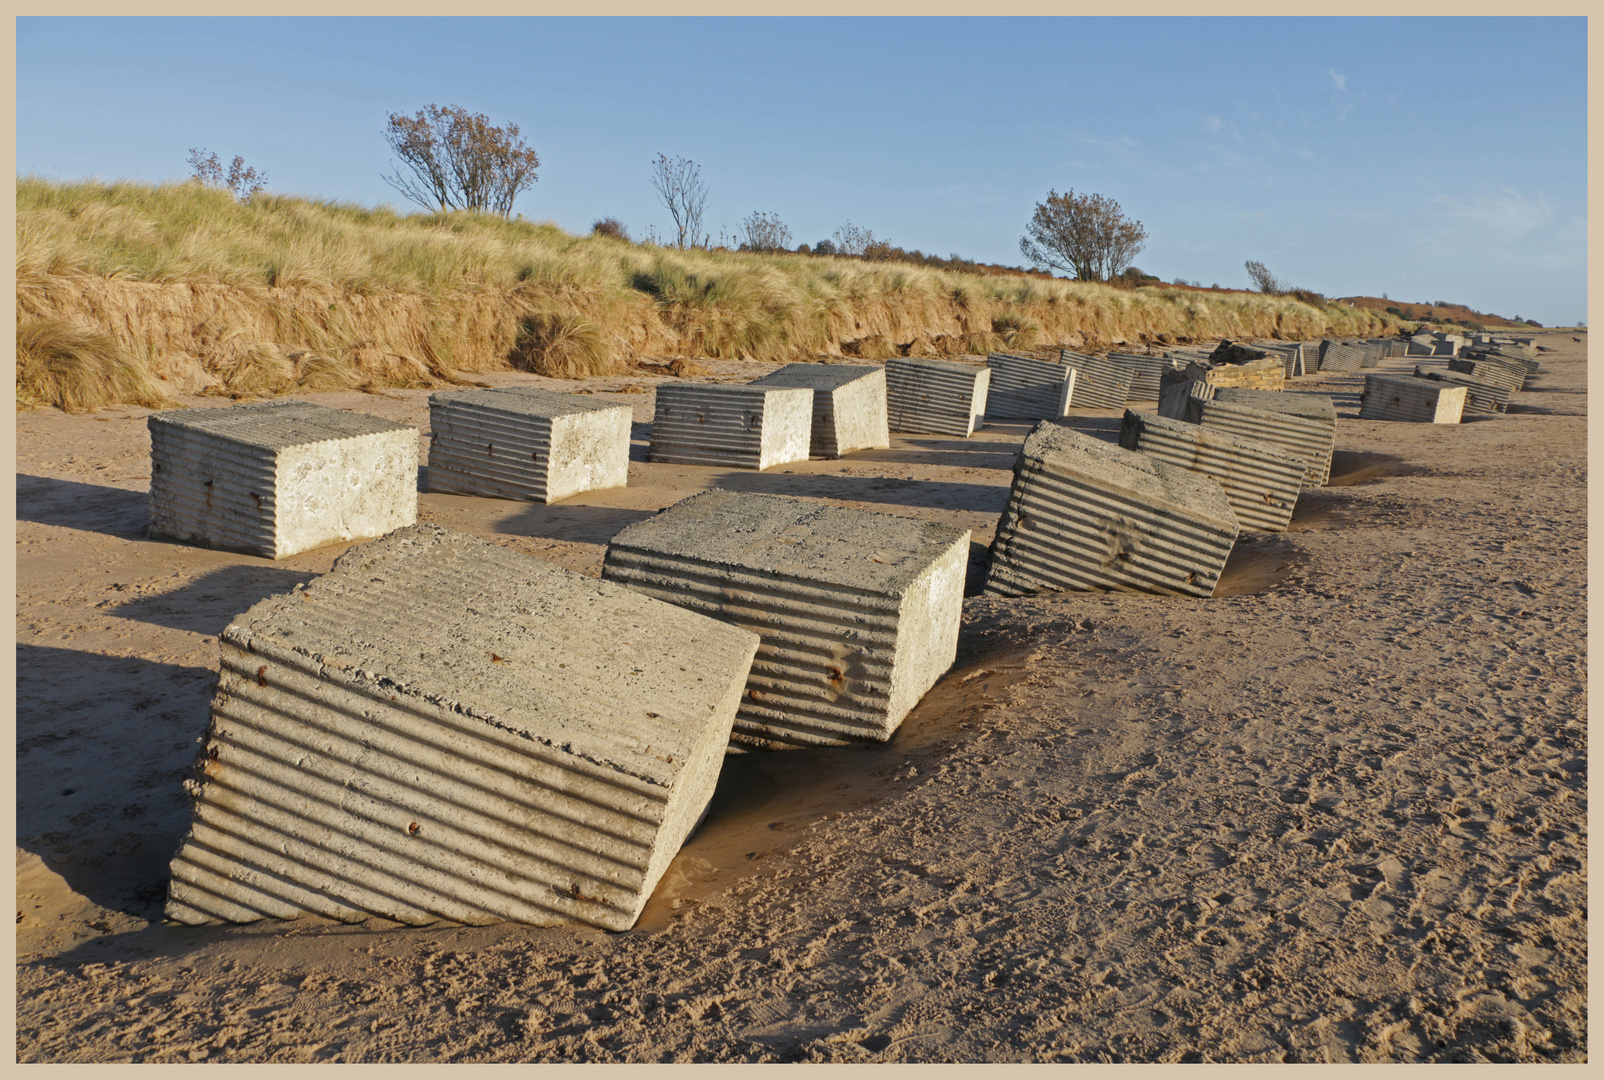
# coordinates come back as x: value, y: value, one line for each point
x: 79, y: 370
x: 562, y: 346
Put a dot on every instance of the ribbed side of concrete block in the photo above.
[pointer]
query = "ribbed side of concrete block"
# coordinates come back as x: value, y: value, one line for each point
x: 1145, y: 373
x: 1421, y: 401
x: 1084, y: 515
x: 741, y: 427
x: 849, y: 405
x: 1481, y: 399
x: 858, y: 611
x: 938, y: 397
x: 1373, y: 352
x: 1491, y: 370
x: 441, y: 728
x: 521, y: 443
x: 1177, y: 391
x: 1100, y: 383
x: 275, y: 478
x: 1261, y: 481
x: 1309, y: 441
x: 1024, y: 388
x: 1335, y: 356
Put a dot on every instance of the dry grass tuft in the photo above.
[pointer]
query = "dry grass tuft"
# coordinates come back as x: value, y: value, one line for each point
x: 79, y: 370
x: 562, y: 346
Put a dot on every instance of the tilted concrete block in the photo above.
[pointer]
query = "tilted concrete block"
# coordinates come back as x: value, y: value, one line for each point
x: 1145, y: 374
x: 1086, y: 515
x: 1100, y: 383
x: 278, y: 477
x: 442, y: 728
x: 1024, y: 388
x: 741, y: 427
x: 1335, y: 356
x: 1481, y: 398
x: 849, y: 405
x: 1486, y: 367
x: 1304, y: 425
x: 939, y: 397
x: 858, y: 610
x: 523, y: 443
x: 1403, y: 397
x: 1260, y: 480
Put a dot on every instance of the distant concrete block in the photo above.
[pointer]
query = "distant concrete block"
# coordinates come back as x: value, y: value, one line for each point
x: 278, y: 477
x: 1100, y: 383
x: 849, y: 405
x: 1086, y: 515
x: 858, y: 611
x: 1261, y: 481
x: 1335, y: 356
x: 1177, y: 391
x: 1145, y: 373
x: 1481, y: 398
x: 939, y: 397
x: 442, y: 728
x: 523, y: 443
x: 1421, y: 401
x: 1024, y: 388
x: 739, y: 427
x: 1489, y: 368
x: 1304, y: 425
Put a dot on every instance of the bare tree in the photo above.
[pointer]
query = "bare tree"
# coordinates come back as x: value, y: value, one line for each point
x: 764, y: 231
x: 1265, y: 281
x: 852, y: 240
x: 679, y: 186
x: 458, y: 161
x: 1087, y: 236
x: 243, y: 182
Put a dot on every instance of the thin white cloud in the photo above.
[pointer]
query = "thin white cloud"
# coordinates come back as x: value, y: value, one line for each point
x: 1213, y: 124
x: 1340, y: 81
x: 1506, y: 214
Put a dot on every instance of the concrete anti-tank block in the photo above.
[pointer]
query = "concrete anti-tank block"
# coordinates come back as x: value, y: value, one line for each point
x: 523, y: 443
x: 1025, y: 388
x: 1260, y: 480
x: 278, y: 477
x: 741, y: 427
x: 849, y: 405
x: 1100, y: 382
x: 938, y: 397
x: 1305, y: 425
x: 858, y: 610
x: 1404, y: 397
x: 1086, y: 515
x: 442, y: 728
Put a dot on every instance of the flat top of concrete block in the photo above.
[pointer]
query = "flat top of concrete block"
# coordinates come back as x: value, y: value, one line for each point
x: 817, y: 376
x: 1406, y: 379
x: 1313, y: 406
x: 583, y: 666
x: 749, y: 391
x: 275, y: 425
x: 953, y: 366
x: 1211, y: 437
x: 1063, y: 448
x: 857, y: 549
x: 525, y: 400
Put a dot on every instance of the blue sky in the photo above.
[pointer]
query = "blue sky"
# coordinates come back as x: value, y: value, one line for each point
x: 1428, y: 159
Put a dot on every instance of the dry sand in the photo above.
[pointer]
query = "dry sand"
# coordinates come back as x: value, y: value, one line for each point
x: 1338, y: 812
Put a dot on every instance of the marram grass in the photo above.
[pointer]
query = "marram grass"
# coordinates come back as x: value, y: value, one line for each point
x: 281, y: 293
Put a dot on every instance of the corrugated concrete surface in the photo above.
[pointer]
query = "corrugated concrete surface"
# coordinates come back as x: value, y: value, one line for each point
x: 858, y: 610
x: 1481, y: 398
x: 441, y: 728
x: 1260, y: 480
x: 1318, y: 410
x: 1085, y: 515
x: 1508, y: 373
x: 1335, y: 356
x: 1024, y: 388
x: 939, y: 397
x: 741, y: 427
x: 849, y: 405
x: 523, y: 443
x: 1145, y: 373
x: 1404, y: 397
x: 278, y: 477
x: 1100, y: 383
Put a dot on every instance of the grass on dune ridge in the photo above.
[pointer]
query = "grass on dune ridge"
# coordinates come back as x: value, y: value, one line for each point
x: 121, y: 284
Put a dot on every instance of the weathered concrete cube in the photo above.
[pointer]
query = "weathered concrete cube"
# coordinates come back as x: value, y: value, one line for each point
x: 1305, y: 425
x: 1484, y: 367
x: 1261, y: 481
x: 1100, y: 383
x: 858, y: 610
x: 1337, y: 356
x: 442, y: 728
x: 938, y: 397
x: 1177, y: 390
x: 1403, y: 397
x: 1024, y: 388
x: 278, y: 477
x: 849, y: 405
x: 523, y: 443
x: 740, y: 427
x: 1145, y: 373
x: 1086, y: 515
x: 1481, y: 398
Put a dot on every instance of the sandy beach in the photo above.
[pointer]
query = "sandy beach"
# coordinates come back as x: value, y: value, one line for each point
x: 1335, y: 813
